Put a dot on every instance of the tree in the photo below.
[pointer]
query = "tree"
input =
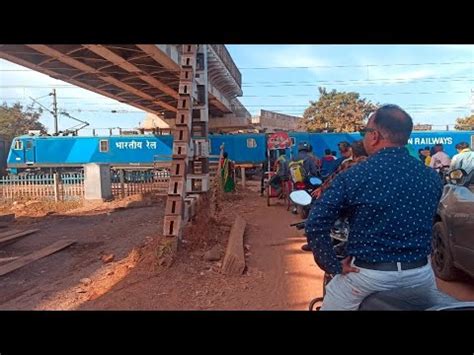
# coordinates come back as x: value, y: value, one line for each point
x: 336, y: 112
x: 465, y: 123
x: 16, y: 120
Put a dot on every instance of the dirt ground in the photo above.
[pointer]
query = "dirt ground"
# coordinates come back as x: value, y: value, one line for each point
x: 100, y: 230
x: 279, y: 275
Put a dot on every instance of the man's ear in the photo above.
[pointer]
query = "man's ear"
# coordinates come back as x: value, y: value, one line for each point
x: 372, y: 139
x: 377, y: 137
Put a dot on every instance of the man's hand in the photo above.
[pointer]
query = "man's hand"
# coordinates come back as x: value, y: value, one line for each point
x: 346, y: 266
x: 316, y: 193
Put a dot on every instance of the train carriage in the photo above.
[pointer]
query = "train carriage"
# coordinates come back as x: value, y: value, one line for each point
x: 142, y: 151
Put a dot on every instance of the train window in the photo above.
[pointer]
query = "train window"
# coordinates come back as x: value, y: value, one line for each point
x: 29, y: 144
x: 104, y: 146
x: 251, y: 143
x: 293, y: 141
x: 472, y: 142
x: 18, y: 145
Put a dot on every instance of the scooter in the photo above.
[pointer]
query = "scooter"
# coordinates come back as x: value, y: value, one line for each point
x: 416, y: 298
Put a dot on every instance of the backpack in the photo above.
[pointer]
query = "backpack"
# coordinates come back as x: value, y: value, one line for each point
x: 297, y: 171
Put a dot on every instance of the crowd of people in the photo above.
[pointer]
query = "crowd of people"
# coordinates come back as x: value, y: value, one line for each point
x: 306, y: 163
x: 389, y: 195
x: 436, y: 158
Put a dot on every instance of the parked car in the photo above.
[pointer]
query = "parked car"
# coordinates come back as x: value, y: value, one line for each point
x: 453, y: 231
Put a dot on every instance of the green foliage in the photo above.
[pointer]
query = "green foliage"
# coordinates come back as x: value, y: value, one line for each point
x: 336, y: 112
x: 465, y: 123
x: 16, y: 120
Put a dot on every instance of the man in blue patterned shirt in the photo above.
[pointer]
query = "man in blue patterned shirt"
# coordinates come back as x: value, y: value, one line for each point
x: 391, y: 199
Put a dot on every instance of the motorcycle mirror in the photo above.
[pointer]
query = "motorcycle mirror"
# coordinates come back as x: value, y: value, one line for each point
x: 314, y: 181
x: 300, y: 197
x: 457, y: 175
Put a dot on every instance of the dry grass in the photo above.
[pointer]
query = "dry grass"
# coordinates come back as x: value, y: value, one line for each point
x: 39, y: 208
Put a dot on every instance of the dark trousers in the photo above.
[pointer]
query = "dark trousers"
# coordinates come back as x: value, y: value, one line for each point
x: 275, y: 182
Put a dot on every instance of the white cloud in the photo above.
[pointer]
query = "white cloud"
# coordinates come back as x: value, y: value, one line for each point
x: 455, y: 48
x: 398, y: 76
x: 297, y: 56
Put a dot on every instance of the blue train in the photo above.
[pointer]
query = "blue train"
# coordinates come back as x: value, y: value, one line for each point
x: 42, y: 152
x: 33, y: 152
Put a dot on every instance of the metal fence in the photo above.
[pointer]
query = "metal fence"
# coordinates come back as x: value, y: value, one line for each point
x: 126, y: 183
x: 42, y: 187
x: 70, y: 186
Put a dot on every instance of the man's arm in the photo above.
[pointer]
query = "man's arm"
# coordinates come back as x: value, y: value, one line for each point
x: 344, y: 166
x: 323, y: 214
x: 454, y: 162
x: 444, y: 159
x: 434, y: 160
x: 310, y: 166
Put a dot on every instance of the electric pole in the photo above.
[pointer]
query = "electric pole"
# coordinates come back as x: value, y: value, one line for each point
x: 55, y: 110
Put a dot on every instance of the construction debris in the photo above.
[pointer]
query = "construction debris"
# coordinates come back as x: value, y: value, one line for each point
x: 85, y: 281
x: 234, y: 259
x: 107, y: 258
x: 27, y: 259
x: 14, y: 235
x: 213, y: 254
x: 10, y: 258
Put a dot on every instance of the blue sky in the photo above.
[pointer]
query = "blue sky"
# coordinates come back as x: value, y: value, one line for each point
x: 432, y: 82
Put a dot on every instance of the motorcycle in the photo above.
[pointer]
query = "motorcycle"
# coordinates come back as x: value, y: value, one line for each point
x: 443, y: 173
x: 416, y: 298
x: 309, y: 185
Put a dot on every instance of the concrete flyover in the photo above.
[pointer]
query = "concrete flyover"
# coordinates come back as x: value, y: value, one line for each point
x: 145, y: 76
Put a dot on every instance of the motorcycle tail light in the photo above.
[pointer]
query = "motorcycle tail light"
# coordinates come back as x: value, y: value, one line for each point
x: 300, y: 185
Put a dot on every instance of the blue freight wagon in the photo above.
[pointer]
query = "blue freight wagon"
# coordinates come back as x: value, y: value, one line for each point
x: 242, y: 148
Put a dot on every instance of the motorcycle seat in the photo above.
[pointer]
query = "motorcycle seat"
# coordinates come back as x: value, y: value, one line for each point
x: 412, y: 299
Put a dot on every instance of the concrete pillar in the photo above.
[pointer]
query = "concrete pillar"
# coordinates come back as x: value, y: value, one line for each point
x: 174, y: 215
x: 97, y: 182
x: 198, y: 178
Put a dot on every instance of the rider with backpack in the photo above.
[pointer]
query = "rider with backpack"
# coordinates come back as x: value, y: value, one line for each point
x: 281, y: 171
x: 305, y: 165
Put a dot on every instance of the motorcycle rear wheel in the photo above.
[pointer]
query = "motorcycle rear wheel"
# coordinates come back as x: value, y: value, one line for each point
x: 314, y: 302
